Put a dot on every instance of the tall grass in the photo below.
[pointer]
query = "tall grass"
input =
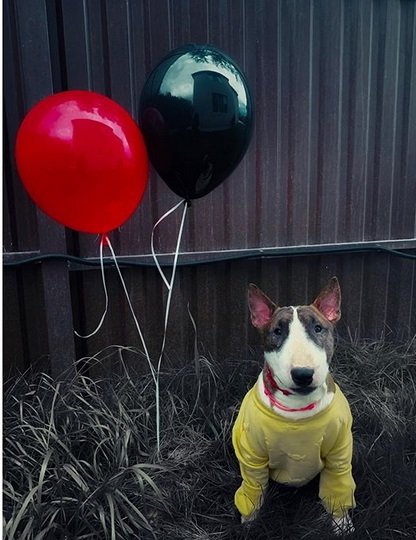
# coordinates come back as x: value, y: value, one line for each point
x: 80, y: 457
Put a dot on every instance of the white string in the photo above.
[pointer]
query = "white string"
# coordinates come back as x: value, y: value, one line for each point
x: 152, y: 242
x: 104, y: 239
x: 152, y: 369
x: 169, y: 286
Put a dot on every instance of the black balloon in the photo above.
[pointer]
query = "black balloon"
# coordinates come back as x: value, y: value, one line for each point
x: 196, y: 117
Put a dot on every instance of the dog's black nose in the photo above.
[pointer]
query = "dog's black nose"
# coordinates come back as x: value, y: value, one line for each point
x: 302, y: 376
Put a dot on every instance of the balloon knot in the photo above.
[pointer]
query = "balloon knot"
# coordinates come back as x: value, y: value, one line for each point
x: 104, y: 240
x: 188, y: 203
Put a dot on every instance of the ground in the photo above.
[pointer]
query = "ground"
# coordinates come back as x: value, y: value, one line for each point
x: 80, y: 458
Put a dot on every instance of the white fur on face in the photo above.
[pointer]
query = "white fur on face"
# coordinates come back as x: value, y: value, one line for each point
x: 298, y: 351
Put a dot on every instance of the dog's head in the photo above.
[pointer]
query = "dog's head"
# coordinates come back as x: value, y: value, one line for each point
x: 298, y: 341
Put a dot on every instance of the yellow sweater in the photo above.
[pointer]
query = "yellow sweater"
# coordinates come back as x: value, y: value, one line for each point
x: 293, y: 452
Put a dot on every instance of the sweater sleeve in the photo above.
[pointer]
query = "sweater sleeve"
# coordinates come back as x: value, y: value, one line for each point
x: 254, y: 461
x: 337, y: 486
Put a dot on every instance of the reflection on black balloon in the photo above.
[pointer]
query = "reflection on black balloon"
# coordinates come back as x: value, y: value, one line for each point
x: 196, y: 117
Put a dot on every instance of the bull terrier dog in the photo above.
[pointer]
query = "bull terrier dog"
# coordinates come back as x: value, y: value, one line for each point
x: 295, y: 422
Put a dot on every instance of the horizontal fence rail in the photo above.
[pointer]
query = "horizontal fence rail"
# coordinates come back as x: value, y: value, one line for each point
x: 399, y: 248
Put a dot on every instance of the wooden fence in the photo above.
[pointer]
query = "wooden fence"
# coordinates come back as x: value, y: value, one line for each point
x: 330, y: 174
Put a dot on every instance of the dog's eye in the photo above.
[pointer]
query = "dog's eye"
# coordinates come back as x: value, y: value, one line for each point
x: 277, y: 331
x: 318, y: 328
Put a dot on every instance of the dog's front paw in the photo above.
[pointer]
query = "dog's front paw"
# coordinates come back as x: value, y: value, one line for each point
x: 342, y: 525
x: 254, y: 510
x: 250, y: 518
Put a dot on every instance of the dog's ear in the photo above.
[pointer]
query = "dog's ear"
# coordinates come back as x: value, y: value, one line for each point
x: 328, y: 301
x: 261, y: 307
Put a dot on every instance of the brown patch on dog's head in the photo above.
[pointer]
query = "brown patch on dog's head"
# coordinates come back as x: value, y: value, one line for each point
x: 318, y: 328
x: 276, y: 332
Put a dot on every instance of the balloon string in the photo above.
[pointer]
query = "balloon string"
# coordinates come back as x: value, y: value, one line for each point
x: 169, y: 286
x: 104, y: 241
x: 146, y: 352
x: 152, y: 242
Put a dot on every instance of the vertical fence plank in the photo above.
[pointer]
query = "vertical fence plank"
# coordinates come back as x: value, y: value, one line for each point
x: 37, y: 83
x: 23, y: 228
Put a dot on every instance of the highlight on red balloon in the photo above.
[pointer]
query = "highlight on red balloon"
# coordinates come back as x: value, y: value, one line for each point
x: 83, y: 160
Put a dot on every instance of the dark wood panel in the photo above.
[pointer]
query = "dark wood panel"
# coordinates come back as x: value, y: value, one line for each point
x: 332, y: 159
x: 404, y: 195
x: 21, y: 227
x: 25, y: 331
x: 357, y: 84
x: 37, y: 83
x: 15, y: 357
x: 378, y: 298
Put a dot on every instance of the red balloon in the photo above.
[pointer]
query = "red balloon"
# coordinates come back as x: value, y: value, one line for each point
x: 83, y: 160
